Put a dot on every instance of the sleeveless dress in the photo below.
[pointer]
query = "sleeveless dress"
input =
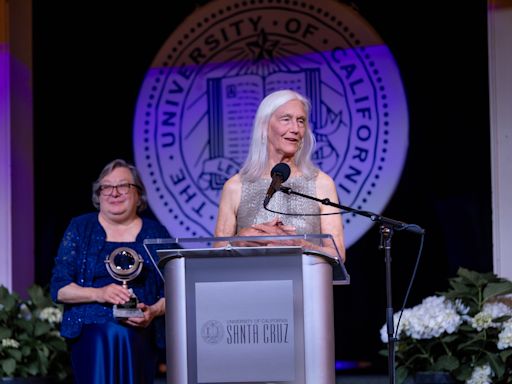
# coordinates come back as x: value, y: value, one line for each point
x: 251, y: 209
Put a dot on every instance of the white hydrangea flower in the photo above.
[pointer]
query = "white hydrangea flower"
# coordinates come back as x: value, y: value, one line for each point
x: 51, y: 315
x: 505, y: 336
x: 10, y: 343
x: 404, y: 324
x: 481, y: 321
x: 490, y: 311
x: 497, y: 309
x: 461, y: 307
x: 481, y: 375
x: 384, y: 334
x: 433, y: 317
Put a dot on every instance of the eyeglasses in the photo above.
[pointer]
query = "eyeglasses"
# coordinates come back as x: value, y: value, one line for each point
x: 123, y: 189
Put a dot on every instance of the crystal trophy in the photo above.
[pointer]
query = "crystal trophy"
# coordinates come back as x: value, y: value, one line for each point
x: 124, y: 264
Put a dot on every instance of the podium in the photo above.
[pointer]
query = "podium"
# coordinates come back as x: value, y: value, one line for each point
x: 238, y: 314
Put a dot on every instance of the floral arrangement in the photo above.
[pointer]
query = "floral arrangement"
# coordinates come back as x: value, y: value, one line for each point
x: 30, y: 341
x: 465, y: 331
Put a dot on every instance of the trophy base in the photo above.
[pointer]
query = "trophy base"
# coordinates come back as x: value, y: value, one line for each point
x: 128, y: 309
x: 124, y: 313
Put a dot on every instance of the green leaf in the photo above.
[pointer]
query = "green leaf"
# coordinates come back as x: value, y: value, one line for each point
x: 463, y: 373
x: 466, y: 328
x: 8, y: 301
x: 497, y: 289
x: 33, y: 368
x: 14, y: 353
x: 43, y: 354
x: 471, y: 276
x: 449, y: 338
x: 4, y: 292
x: 401, y: 375
x: 504, y: 355
x: 446, y: 363
x: 9, y: 366
x: 25, y: 350
x: 496, y: 364
x: 460, y: 286
x: 58, y: 344
x: 24, y: 325
x: 5, y: 333
x: 476, y: 278
x: 37, y: 296
x: 474, y: 342
x: 41, y: 328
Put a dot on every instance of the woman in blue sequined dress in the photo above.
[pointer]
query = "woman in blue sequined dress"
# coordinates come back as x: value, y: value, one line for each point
x: 105, y: 349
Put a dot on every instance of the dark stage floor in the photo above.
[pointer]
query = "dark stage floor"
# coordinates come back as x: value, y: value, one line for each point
x: 341, y: 379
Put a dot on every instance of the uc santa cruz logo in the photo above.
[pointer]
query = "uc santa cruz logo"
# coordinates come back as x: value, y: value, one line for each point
x: 196, y: 106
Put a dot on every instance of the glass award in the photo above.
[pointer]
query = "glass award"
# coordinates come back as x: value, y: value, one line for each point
x: 124, y: 264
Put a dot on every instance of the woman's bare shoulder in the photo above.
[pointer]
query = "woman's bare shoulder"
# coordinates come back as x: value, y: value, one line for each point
x: 324, y: 180
x: 232, y: 186
x: 233, y: 183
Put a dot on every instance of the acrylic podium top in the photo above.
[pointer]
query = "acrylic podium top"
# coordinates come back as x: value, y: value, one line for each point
x: 162, y: 250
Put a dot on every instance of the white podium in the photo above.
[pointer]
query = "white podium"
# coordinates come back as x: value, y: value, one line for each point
x: 248, y: 314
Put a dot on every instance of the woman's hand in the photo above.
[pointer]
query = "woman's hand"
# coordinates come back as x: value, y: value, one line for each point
x: 274, y: 227
x: 113, y: 294
x: 149, y: 312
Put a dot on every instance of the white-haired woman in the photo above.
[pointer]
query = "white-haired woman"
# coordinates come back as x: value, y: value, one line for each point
x: 281, y: 134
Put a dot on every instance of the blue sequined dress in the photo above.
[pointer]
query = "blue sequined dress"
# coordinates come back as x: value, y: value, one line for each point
x: 103, y: 350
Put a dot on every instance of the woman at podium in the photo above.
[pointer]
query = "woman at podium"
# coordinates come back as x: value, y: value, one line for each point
x: 280, y: 153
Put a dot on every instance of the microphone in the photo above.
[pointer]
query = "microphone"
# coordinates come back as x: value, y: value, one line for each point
x: 280, y: 173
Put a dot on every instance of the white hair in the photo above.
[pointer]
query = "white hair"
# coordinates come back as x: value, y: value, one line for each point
x: 256, y: 161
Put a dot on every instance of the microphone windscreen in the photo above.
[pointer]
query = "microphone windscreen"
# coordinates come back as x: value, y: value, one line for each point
x: 281, y: 169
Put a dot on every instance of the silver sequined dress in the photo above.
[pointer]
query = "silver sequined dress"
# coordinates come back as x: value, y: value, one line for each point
x: 251, y: 209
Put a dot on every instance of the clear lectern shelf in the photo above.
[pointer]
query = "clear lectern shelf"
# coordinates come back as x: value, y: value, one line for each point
x: 161, y: 250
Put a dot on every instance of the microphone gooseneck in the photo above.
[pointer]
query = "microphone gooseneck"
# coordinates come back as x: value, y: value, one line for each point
x: 280, y: 173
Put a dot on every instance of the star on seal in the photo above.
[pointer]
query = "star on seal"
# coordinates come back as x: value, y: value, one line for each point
x: 262, y: 48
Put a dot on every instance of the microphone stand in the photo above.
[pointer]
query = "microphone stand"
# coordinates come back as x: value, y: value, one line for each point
x: 387, y: 226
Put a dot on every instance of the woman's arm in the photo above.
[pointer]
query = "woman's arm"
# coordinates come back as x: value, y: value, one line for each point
x: 112, y: 293
x: 330, y: 224
x: 228, y: 207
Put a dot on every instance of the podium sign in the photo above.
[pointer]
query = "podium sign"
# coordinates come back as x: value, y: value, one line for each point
x: 247, y: 328
x: 248, y: 315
